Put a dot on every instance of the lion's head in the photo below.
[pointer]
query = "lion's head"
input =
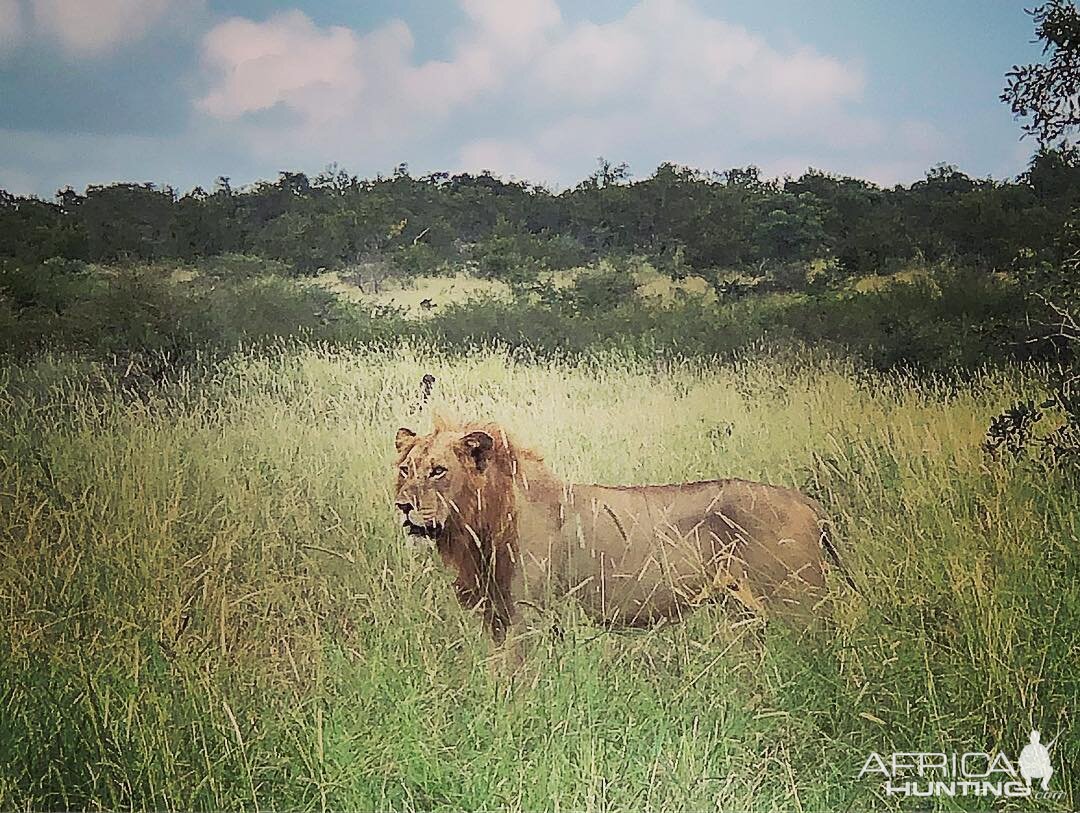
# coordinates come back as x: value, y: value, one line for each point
x: 440, y: 476
x: 456, y: 486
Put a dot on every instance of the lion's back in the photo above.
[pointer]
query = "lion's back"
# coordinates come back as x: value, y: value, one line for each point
x: 646, y: 552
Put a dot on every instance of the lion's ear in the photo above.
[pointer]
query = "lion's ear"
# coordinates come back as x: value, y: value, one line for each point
x: 404, y: 439
x: 479, y: 445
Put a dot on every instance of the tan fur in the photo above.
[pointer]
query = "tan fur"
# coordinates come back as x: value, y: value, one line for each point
x: 513, y: 533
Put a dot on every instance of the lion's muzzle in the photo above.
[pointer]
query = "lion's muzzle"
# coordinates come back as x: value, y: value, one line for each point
x: 416, y: 524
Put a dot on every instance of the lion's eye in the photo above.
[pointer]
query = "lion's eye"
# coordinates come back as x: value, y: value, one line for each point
x: 438, y: 471
x: 404, y: 471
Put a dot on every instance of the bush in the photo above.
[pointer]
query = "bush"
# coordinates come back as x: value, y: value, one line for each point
x: 518, y: 257
x: 786, y: 276
x: 417, y: 260
x: 139, y: 311
x: 47, y: 286
x: 501, y: 259
x: 597, y: 289
x: 265, y: 309
x: 953, y: 320
x: 241, y: 266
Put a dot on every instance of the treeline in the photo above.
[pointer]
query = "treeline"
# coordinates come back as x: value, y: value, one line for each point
x: 681, y: 218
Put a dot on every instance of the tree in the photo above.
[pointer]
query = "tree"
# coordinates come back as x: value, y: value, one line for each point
x: 1050, y: 93
x: 127, y: 221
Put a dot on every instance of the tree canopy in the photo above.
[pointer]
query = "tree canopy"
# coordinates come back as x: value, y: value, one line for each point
x: 681, y: 217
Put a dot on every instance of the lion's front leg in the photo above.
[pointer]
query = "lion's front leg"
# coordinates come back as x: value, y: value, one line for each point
x: 506, y: 657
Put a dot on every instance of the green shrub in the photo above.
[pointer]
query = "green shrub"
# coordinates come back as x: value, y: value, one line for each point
x: 517, y: 257
x: 957, y: 321
x: 241, y: 266
x: 139, y: 311
x: 953, y: 320
x: 499, y: 258
x: 417, y: 260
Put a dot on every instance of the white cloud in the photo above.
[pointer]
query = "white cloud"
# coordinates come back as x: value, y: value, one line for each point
x: 670, y: 55
x: 286, y: 60
x: 593, y: 62
x: 806, y: 79
x: 530, y: 94
x: 368, y: 83
x: 92, y: 27
x: 514, y: 27
x: 489, y: 55
x: 11, y: 24
x: 505, y: 158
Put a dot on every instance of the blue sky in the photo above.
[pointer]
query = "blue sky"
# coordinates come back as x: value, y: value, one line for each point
x: 182, y: 91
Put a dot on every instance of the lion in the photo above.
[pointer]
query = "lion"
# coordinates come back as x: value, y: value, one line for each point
x: 515, y: 535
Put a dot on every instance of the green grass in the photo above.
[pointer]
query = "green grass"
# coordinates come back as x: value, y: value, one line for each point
x: 206, y: 602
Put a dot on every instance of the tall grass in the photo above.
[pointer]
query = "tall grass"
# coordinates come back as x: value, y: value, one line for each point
x: 207, y: 603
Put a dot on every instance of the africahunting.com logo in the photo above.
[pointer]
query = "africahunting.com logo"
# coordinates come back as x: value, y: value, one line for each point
x: 972, y: 773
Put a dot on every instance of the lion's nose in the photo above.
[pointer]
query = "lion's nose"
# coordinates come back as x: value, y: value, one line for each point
x: 404, y: 507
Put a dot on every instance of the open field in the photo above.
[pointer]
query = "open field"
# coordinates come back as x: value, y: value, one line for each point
x: 651, y: 286
x: 206, y: 602
x: 406, y: 295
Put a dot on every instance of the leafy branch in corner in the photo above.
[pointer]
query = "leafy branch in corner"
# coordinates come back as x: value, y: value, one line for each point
x: 1049, y: 93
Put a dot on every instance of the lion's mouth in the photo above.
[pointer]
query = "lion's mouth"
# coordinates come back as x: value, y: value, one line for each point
x: 428, y: 531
